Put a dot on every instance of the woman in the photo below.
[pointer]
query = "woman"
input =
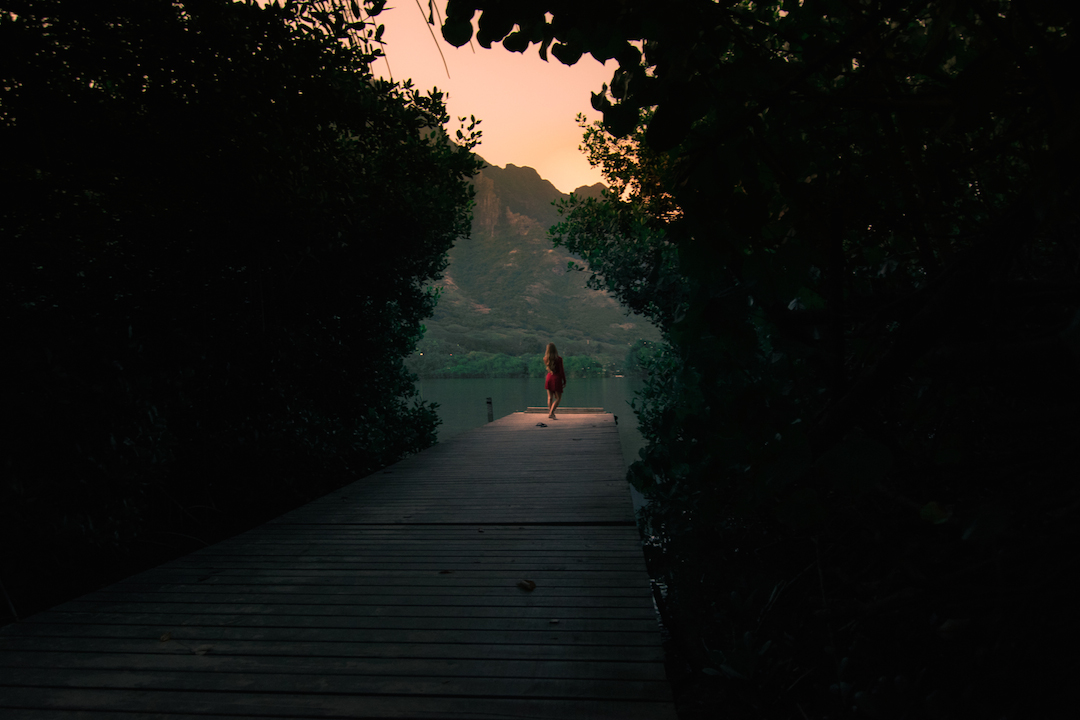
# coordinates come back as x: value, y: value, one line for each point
x: 556, y: 379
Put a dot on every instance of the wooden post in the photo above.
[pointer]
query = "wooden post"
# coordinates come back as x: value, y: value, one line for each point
x: 491, y: 414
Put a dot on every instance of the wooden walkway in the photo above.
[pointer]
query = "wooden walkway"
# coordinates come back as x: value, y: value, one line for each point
x: 403, y: 595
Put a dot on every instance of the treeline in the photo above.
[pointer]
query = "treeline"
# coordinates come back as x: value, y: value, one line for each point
x: 215, y: 226
x: 436, y: 360
x: 477, y: 364
x: 856, y: 225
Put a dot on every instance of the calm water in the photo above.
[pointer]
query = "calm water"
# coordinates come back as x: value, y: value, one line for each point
x: 463, y: 403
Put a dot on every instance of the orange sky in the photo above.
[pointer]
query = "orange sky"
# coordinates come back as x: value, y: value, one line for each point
x: 527, y: 105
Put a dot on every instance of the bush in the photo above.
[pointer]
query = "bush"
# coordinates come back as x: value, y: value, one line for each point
x: 210, y: 279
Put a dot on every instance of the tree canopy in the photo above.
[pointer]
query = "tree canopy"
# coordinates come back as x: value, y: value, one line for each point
x: 217, y: 229
x: 855, y: 222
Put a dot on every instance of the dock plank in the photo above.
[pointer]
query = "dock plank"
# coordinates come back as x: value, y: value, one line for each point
x: 156, y: 703
x: 394, y: 597
x: 420, y: 667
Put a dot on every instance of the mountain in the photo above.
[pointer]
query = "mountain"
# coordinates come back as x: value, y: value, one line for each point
x: 508, y: 291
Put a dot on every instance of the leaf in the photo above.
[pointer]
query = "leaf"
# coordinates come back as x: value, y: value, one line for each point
x: 526, y: 585
x: 166, y: 637
x: 457, y: 32
x: 619, y: 119
x: 732, y: 672
x: 669, y: 125
x: 856, y: 465
x: 619, y: 83
x: 934, y: 512
x: 568, y: 52
x: 495, y: 23
x: 989, y: 522
x: 202, y: 649
x: 953, y: 628
x: 516, y: 42
x: 801, y: 509
x: 784, y: 460
x: 599, y: 101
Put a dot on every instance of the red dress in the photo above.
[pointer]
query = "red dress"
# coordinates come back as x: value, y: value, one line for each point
x: 556, y: 381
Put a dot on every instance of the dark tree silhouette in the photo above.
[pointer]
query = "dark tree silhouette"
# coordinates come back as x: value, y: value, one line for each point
x: 217, y: 229
x: 856, y: 224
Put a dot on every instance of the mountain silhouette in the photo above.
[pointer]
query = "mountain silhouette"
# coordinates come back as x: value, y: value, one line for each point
x: 508, y: 290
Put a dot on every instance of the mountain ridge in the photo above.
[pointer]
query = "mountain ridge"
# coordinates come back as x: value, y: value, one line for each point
x: 507, y: 290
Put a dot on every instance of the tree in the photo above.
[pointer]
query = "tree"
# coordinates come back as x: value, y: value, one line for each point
x: 858, y: 442
x: 217, y: 230
x: 623, y: 238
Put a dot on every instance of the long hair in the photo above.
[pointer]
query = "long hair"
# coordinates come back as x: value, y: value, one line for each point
x: 549, y: 357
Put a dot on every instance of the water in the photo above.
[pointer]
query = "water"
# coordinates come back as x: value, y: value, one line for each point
x: 463, y: 402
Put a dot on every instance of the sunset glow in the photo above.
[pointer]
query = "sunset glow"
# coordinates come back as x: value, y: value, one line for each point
x: 527, y: 105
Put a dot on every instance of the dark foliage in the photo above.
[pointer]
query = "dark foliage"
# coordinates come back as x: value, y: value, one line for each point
x: 216, y: 229
x: 856, y: 221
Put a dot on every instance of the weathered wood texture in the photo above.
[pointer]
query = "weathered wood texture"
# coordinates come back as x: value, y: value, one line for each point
x: 567, y: 410
x: 395, y: 597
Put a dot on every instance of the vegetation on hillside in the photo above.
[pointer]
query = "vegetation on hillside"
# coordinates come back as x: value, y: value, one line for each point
x: 507, y: 292
x: 440, y: 360
x: 855, y: 222
x: 217, y: 226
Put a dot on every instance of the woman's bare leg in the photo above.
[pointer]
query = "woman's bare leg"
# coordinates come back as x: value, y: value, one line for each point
x: 550, y: 411
x: 558, y: 399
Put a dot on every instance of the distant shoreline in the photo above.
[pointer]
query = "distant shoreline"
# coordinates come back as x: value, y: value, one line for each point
x: 477, y: 364
x: 449, y: 376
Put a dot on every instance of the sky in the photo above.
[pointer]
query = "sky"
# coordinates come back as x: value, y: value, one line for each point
x: 527, y: 106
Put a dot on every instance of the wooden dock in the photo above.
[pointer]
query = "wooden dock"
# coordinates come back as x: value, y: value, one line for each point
x: 496, y: 575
